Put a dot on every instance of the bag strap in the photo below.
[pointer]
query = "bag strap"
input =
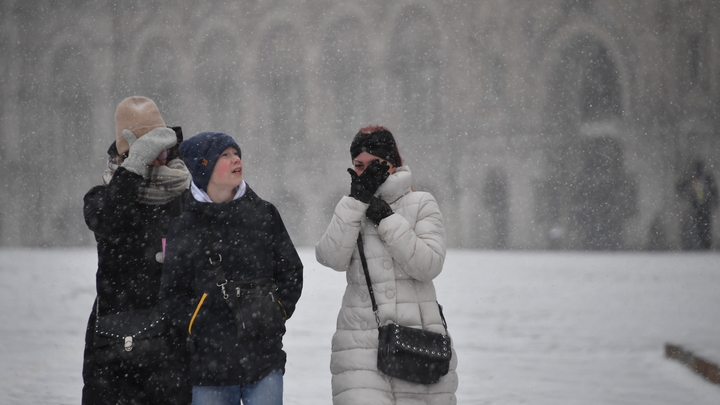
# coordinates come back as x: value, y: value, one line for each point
x: 361, y: 251
x: 215, y: 260
x: 214, y: 257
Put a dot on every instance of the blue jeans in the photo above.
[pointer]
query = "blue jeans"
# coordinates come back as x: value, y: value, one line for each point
x: 268, y: 391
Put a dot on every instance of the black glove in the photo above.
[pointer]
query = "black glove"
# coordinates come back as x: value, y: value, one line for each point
x: 378, y: 210
x: 363, y: 187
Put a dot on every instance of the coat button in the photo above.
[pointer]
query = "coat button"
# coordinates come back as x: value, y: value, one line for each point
x: 363, y: 297
x: 364, y: 325
x: 388, y: 265
x: 390, y: 293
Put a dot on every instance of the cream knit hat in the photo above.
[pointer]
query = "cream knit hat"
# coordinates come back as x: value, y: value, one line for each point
x: 140, y: 115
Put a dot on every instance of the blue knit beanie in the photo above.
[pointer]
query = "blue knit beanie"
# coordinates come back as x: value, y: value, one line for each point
x: 201, y: 152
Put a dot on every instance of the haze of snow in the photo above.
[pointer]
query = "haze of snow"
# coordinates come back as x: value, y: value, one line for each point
x: 528, y: 327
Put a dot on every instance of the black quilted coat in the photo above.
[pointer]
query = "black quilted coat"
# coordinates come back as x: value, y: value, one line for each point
x: 259, y: 258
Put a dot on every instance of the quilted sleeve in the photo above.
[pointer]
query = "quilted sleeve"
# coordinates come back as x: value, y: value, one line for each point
x: 420, y: 250
x: 336, y: 246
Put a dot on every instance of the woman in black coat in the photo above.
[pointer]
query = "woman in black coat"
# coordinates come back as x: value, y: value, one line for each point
x: 129, y: 215
x: 231, y: 279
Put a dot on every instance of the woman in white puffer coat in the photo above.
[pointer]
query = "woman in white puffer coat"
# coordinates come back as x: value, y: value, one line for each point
x: 404, y: 243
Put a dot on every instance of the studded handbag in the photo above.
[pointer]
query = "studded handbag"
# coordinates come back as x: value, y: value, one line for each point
x: 138, y: 338
x: 410, y: 354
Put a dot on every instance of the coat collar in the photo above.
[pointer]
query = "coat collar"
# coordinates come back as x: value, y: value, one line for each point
x: 397, y: 185
x: 202, y: 196
x: 224, y: 208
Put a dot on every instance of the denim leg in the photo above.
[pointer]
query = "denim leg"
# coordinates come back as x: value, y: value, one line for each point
x: 216, y: 395
x: 268, y: 391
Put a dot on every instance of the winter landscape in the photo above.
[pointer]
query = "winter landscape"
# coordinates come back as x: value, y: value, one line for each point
x: 529, y: 327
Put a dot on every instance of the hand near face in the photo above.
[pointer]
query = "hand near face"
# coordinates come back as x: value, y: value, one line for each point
x: 146, y: 149
x: 364, y: 186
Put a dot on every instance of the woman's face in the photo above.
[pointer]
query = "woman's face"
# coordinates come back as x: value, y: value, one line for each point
x: 363, y: 160
x: 228, y: 170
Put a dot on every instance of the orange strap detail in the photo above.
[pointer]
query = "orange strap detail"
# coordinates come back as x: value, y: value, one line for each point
x: 192, y: 320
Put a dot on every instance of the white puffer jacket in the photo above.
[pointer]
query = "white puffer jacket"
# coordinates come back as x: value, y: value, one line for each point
x: 404, y: 254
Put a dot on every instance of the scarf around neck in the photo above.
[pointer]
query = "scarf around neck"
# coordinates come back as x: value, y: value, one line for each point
x: 162, y: 184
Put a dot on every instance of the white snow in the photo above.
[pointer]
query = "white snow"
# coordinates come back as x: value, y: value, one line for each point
x: 529, y: 327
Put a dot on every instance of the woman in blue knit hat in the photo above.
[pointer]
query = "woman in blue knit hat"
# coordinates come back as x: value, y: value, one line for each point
x: 231, y: 279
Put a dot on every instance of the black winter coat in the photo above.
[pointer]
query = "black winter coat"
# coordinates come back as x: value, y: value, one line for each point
x: 129, y: 237
x: 129, y: 245
x: 251, y: 238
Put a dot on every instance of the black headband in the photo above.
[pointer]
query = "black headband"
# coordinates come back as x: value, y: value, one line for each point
x: 379, y: 143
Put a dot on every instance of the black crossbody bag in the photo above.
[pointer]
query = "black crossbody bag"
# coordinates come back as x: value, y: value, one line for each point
x: 410, y: 354
x: 139, y: 337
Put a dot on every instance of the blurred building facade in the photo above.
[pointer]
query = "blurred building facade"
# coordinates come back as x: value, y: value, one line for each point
x: 579, y: 115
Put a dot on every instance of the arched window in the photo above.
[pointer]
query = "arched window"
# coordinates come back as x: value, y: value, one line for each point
x: 157, y: 78
x: 498, y: 80
x: 282, y: 100
x: 216, y: 65
x: 415, y: 62
x: 282, y: 87
x: 694, y: 72
x: 71, y: 104
x: 347, y: 72
x: 583, y: 88
x: 600, y: 89
x: 69, y: 127
x: 591, y: 187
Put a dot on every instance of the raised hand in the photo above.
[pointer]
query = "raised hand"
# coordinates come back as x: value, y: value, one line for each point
x: 145, y: 149
x: 364, y: 186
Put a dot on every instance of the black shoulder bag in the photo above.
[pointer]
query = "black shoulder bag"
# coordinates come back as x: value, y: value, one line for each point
x: 410, y: 354
x: 138, y: 337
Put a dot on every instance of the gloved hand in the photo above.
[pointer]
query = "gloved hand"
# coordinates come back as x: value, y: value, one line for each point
x: 145, y: 149
x: 378, y: 210
x: 363, y: 187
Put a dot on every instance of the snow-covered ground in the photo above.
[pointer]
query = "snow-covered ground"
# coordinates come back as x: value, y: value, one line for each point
x: 529, y: 327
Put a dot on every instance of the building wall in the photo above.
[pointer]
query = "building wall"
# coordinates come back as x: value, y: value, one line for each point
x: 488, y: 100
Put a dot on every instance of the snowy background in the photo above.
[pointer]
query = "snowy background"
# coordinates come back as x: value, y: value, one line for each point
x: 529, y: 327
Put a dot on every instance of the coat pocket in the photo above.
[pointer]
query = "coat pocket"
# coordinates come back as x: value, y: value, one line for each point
x: 263, y: 315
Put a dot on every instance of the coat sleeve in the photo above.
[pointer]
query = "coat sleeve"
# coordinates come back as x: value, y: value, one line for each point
x: 420, y: 250
x: 288, y: 272
x: 110, y: 209
x: 178, y: 275
x: 336, y: 246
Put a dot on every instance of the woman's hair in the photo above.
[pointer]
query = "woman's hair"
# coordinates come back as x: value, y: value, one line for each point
x: 372, y: 128
x: 378, y: 141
